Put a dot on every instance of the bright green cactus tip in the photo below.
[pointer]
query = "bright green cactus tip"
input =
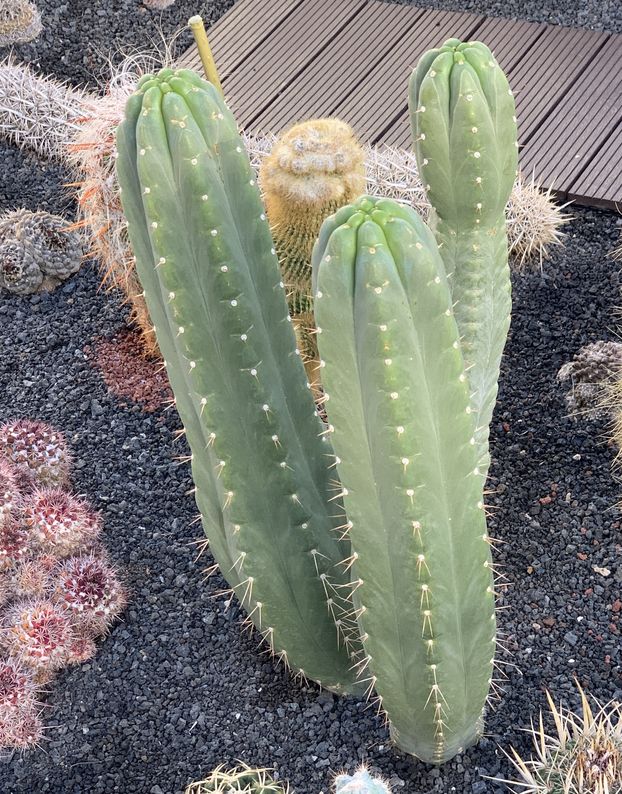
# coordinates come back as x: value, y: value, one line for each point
x: 398, y: 400
x: 464, y: 128
x: 361, y: 782
x: 241, y: 780
x: 260, y: 460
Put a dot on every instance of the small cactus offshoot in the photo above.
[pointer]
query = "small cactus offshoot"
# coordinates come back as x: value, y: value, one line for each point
x: 8, y: 491
x: 241, y: 780
x: 37, y: 251
x: 60, y: 523
x: 39, y: 448
x: 20, y: 22
x: 361, y: 782
x: 583, y: 755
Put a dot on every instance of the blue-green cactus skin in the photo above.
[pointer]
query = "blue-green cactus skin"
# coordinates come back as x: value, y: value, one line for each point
x: 398, y: 400
x: 361, y: 782
x: 260, y: 460
x: 464, y: 130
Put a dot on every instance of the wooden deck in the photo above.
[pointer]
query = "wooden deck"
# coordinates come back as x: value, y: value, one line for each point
x: 285, y: 60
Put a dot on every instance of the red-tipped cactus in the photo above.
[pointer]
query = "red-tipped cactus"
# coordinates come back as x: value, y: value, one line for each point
x: 9, y: 491
x: 17, y: 687
x: 38, y: 633
x: 31, y: 578
x: 82, y: 649
x: 14, y: 544
x: 41, y: 449
x: 22, y: 730
x: 60, y: 523
x: 89, y: 588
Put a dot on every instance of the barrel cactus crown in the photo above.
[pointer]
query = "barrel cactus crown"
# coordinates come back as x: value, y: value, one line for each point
x: 464, y: 127
x: 20, y: 22
x: 241, y: 780
x: 313, y: 169
x: 361, y: 782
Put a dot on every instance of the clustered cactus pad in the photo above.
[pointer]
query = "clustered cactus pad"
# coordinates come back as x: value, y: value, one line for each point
x: 37, y: 251
x: 20, y: 22
x: 396, y: 592
x: 58, y: 591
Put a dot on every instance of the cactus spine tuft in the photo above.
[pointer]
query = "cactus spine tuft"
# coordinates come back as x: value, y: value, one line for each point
x: 313, y: 169
x: 20, y: 22
x: 241, y: 780
x: 361, y: 782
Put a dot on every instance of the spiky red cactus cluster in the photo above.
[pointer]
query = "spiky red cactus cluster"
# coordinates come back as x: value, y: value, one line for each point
x: 58, y: 591
x: 39, y: 448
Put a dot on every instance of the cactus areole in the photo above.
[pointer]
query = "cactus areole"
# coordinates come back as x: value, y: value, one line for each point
x: 260, y: 462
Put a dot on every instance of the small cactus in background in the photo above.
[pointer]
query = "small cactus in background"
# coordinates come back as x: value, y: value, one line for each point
x: 534, y: 220
x: 60, y: 523
x: 361, y: 782
x: 313, y: 169
x: 583, y: 755
x: 38, y: 633
x: 15, y: 544
x: 592, y: 373
x: 51, y: 609
x: 20, y: 22
x: 240, y: 780
x: 37, y: 251
x: 39, y: 449
x: 89, y: 588
x: 37, y: 112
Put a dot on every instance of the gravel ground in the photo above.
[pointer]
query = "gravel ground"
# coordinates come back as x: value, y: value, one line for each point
x: 177, y: 688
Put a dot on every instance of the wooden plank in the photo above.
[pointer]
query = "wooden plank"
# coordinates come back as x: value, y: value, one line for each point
x: 239, y: 32
x: 285, y: 54
x: 283, y: 60
x: 567, y: 138
x: 601, y: 181
x: 384, y: 95
x: 341, y: 68
x: 540, y: 84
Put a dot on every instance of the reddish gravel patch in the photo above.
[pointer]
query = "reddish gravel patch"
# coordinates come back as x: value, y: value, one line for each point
x: 127, y: 373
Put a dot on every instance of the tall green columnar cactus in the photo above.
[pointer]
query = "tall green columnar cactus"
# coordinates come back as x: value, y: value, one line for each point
x: 398, y: 401
x: 260, y: 460
x: 464, y: 129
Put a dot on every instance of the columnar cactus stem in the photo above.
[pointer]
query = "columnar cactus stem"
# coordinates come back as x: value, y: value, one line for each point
x: 398, y: 400
x: 464, y: 128
x: 206, y: 260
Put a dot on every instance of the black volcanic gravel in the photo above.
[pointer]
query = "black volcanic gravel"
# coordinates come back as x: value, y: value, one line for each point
x: 177, y: 688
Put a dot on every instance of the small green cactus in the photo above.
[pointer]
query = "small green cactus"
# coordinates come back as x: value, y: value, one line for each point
x: 464, y: 128
x: 241, y: 780
x: 361, y: 782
